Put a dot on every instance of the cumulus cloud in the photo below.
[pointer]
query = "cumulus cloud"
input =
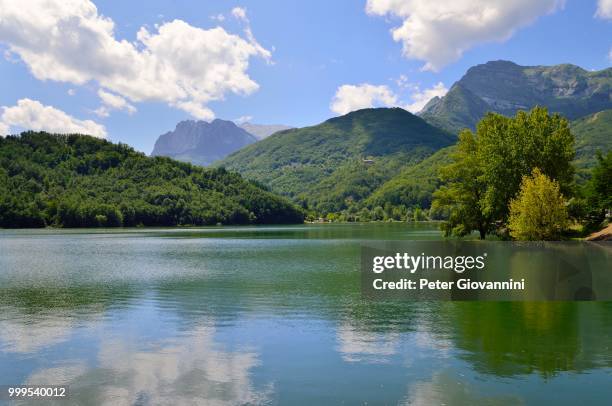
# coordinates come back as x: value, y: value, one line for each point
x: 354, y: 97
x: 604, y: 9
x: 196, y: 109
x: 33, y: 115
x: 110, y: 102
x: 421, y: 97
x: 439, y: 32
x: 184, y: 66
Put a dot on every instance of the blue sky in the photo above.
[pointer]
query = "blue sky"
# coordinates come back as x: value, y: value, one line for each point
x: 83, y: 66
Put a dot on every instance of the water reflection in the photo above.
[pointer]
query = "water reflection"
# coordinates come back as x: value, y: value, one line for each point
x: 510, y: 338
x: 21, y: 337
x: 159, y: 317
x: 447, y: 387
x: 191, y: 369
x: 364, y: 346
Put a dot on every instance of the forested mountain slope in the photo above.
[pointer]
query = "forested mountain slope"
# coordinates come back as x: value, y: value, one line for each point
x: 77, y: 181
x: 335, y: 164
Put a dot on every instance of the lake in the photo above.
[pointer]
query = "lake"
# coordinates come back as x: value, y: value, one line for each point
x: 274, y: 315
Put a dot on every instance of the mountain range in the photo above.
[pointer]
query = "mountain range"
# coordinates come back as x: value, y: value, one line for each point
x: 375, y: 159
x: 505, y: 87
x: 388, y: 156
x: 379, y: 157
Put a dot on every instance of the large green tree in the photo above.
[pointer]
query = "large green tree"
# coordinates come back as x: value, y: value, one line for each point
x: 487, y: 171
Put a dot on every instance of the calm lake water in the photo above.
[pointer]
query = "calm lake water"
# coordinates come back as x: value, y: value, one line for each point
x: 273, y: 315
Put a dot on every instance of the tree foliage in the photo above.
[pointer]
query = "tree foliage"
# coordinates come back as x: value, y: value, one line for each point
x: 81, y: 181
x: 489, y: 167
x: 462, y: 195
x: 539, y: 211
x: 599, y: 188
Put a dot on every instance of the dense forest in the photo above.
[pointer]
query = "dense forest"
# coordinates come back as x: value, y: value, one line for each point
x: 82, y: 181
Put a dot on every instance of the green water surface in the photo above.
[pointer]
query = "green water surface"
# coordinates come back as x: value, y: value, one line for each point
x: 274, y: 315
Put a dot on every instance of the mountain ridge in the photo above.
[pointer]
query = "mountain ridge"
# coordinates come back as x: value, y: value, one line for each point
x: 505, y: 87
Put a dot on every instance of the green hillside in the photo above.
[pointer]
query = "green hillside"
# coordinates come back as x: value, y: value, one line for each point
x: 414, y: 185
x: 78, y: 181
x: 333, y: 165
x: 593, y: 133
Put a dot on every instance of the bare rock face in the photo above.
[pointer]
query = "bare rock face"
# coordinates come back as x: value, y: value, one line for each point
x: 202, y: 143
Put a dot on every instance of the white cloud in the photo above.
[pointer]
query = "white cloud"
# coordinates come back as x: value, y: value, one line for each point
x: 71, y: 92
x: 354, y: 97
x: 439, y: 32
x: 196, y: 110
x: 219, y: 17
x: 102, y: 112
x: 243, y: 119
x: 184, y: 66
x: 112, y: 102
x: 421, y: 97
x: 240, y: 13
x: 32, y: 115
x: 604, y: 9
x: 402, y: 81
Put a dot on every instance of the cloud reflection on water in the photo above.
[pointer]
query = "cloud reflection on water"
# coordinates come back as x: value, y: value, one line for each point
x: 190, y: 369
